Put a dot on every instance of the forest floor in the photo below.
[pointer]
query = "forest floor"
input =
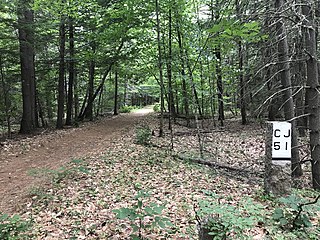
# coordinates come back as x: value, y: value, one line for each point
x: 72, y: 182
x: 52, y: 150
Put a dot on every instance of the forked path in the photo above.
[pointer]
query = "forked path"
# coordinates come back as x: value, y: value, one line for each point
x: 53, y: 150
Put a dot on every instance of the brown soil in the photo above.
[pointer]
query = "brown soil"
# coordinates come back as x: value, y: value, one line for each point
x: 54, y: 150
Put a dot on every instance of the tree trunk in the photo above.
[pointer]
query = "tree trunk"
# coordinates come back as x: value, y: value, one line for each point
x: 171, y: 106
x: 61, y: 84
x: 89, y: 108
x: 285, y: 77
x: 86, y: 108
x: 76, y: 97
x: 26, y: 41
x: 220, y: 86
x: 160, y: 69
x: 183, y: 75
x: 71, y: 74
x: 6, y: 98
x: 116, y: 97
x: 312, y: 91
x: 242, y: 86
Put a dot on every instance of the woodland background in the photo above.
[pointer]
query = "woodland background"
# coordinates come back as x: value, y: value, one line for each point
x: 67, y: 61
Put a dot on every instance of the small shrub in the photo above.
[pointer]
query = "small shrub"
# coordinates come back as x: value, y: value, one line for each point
x: 157, y: 107
x: 63, y: 173
x: 294, y: 212
x: 143, y: 135
x: 222, y: 219
x: 14, y: 227
x: 126, y: 109
x: 138, y: 213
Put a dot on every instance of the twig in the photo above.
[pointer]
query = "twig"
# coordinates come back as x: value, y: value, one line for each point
x: 300, y: 207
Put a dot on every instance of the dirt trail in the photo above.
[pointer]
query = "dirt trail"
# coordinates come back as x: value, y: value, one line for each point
x: 54, y: 150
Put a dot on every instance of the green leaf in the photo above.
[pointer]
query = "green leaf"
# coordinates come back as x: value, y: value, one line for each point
x: 135, y: 227
x: 161, y: 224
x: 134, y: 237
x: 277, y: 214
x: 283, y: 221
x: 158, y: 209
x: 123, y: 213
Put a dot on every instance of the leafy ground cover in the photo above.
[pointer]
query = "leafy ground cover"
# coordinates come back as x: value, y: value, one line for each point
x: 138, y: 187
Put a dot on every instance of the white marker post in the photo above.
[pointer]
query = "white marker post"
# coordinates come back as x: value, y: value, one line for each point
x: 281, y: 142
x: 277, y: 179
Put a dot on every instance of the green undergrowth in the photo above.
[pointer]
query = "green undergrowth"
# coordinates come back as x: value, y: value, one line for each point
x: 75, y: 168
x: 14, y: 228
x: 127, y: 109
x: 275, y: 218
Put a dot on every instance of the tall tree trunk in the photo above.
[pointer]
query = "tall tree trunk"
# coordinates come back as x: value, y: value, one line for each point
x: 85, y: 108
x: 61, y: 84
x: 89, y: 108
x: 6, y: 98
x: 219, y: 85
x: 125, y: 88
x: 76, y: 97
x: 116, y: 95
x: 71, y: 73
x: 313, y: 100
x: 160, y: 69
x: 26, y: 42
x: 242, y: 86
x: 285, y: 76
x: 171, y: 106
x: 100, y: 99
x: 300, y: 76
x: 183, y: 75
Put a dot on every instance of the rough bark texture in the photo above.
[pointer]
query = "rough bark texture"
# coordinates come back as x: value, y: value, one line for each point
x: 242, y: 86
x: 71, y: 74
x: 277, y: 180
x: 160, y: 69
x: 61, y: 85
x: 220, y: 86
x: 171, y: 105
x: 183, y: 75
x: 285, y: 77
x: 89, y: 112
x: 116, y: 95
x: 26, y: 38
x: 312, y: 91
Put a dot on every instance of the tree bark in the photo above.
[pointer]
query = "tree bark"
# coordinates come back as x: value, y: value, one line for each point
x: 61, y: 84
x: 6, y: 98
x: 219, y: 85
x: 86, y: 108
x: 71, y: 73
x: 26, y: 42
x: 183, y: 75
x: 160, y: 69
x: 116, y: 97
x: 242, y: 86
x: 89, y: 109
x: 285, y: 77
x: 171, y: 106
x: 313, y: 87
